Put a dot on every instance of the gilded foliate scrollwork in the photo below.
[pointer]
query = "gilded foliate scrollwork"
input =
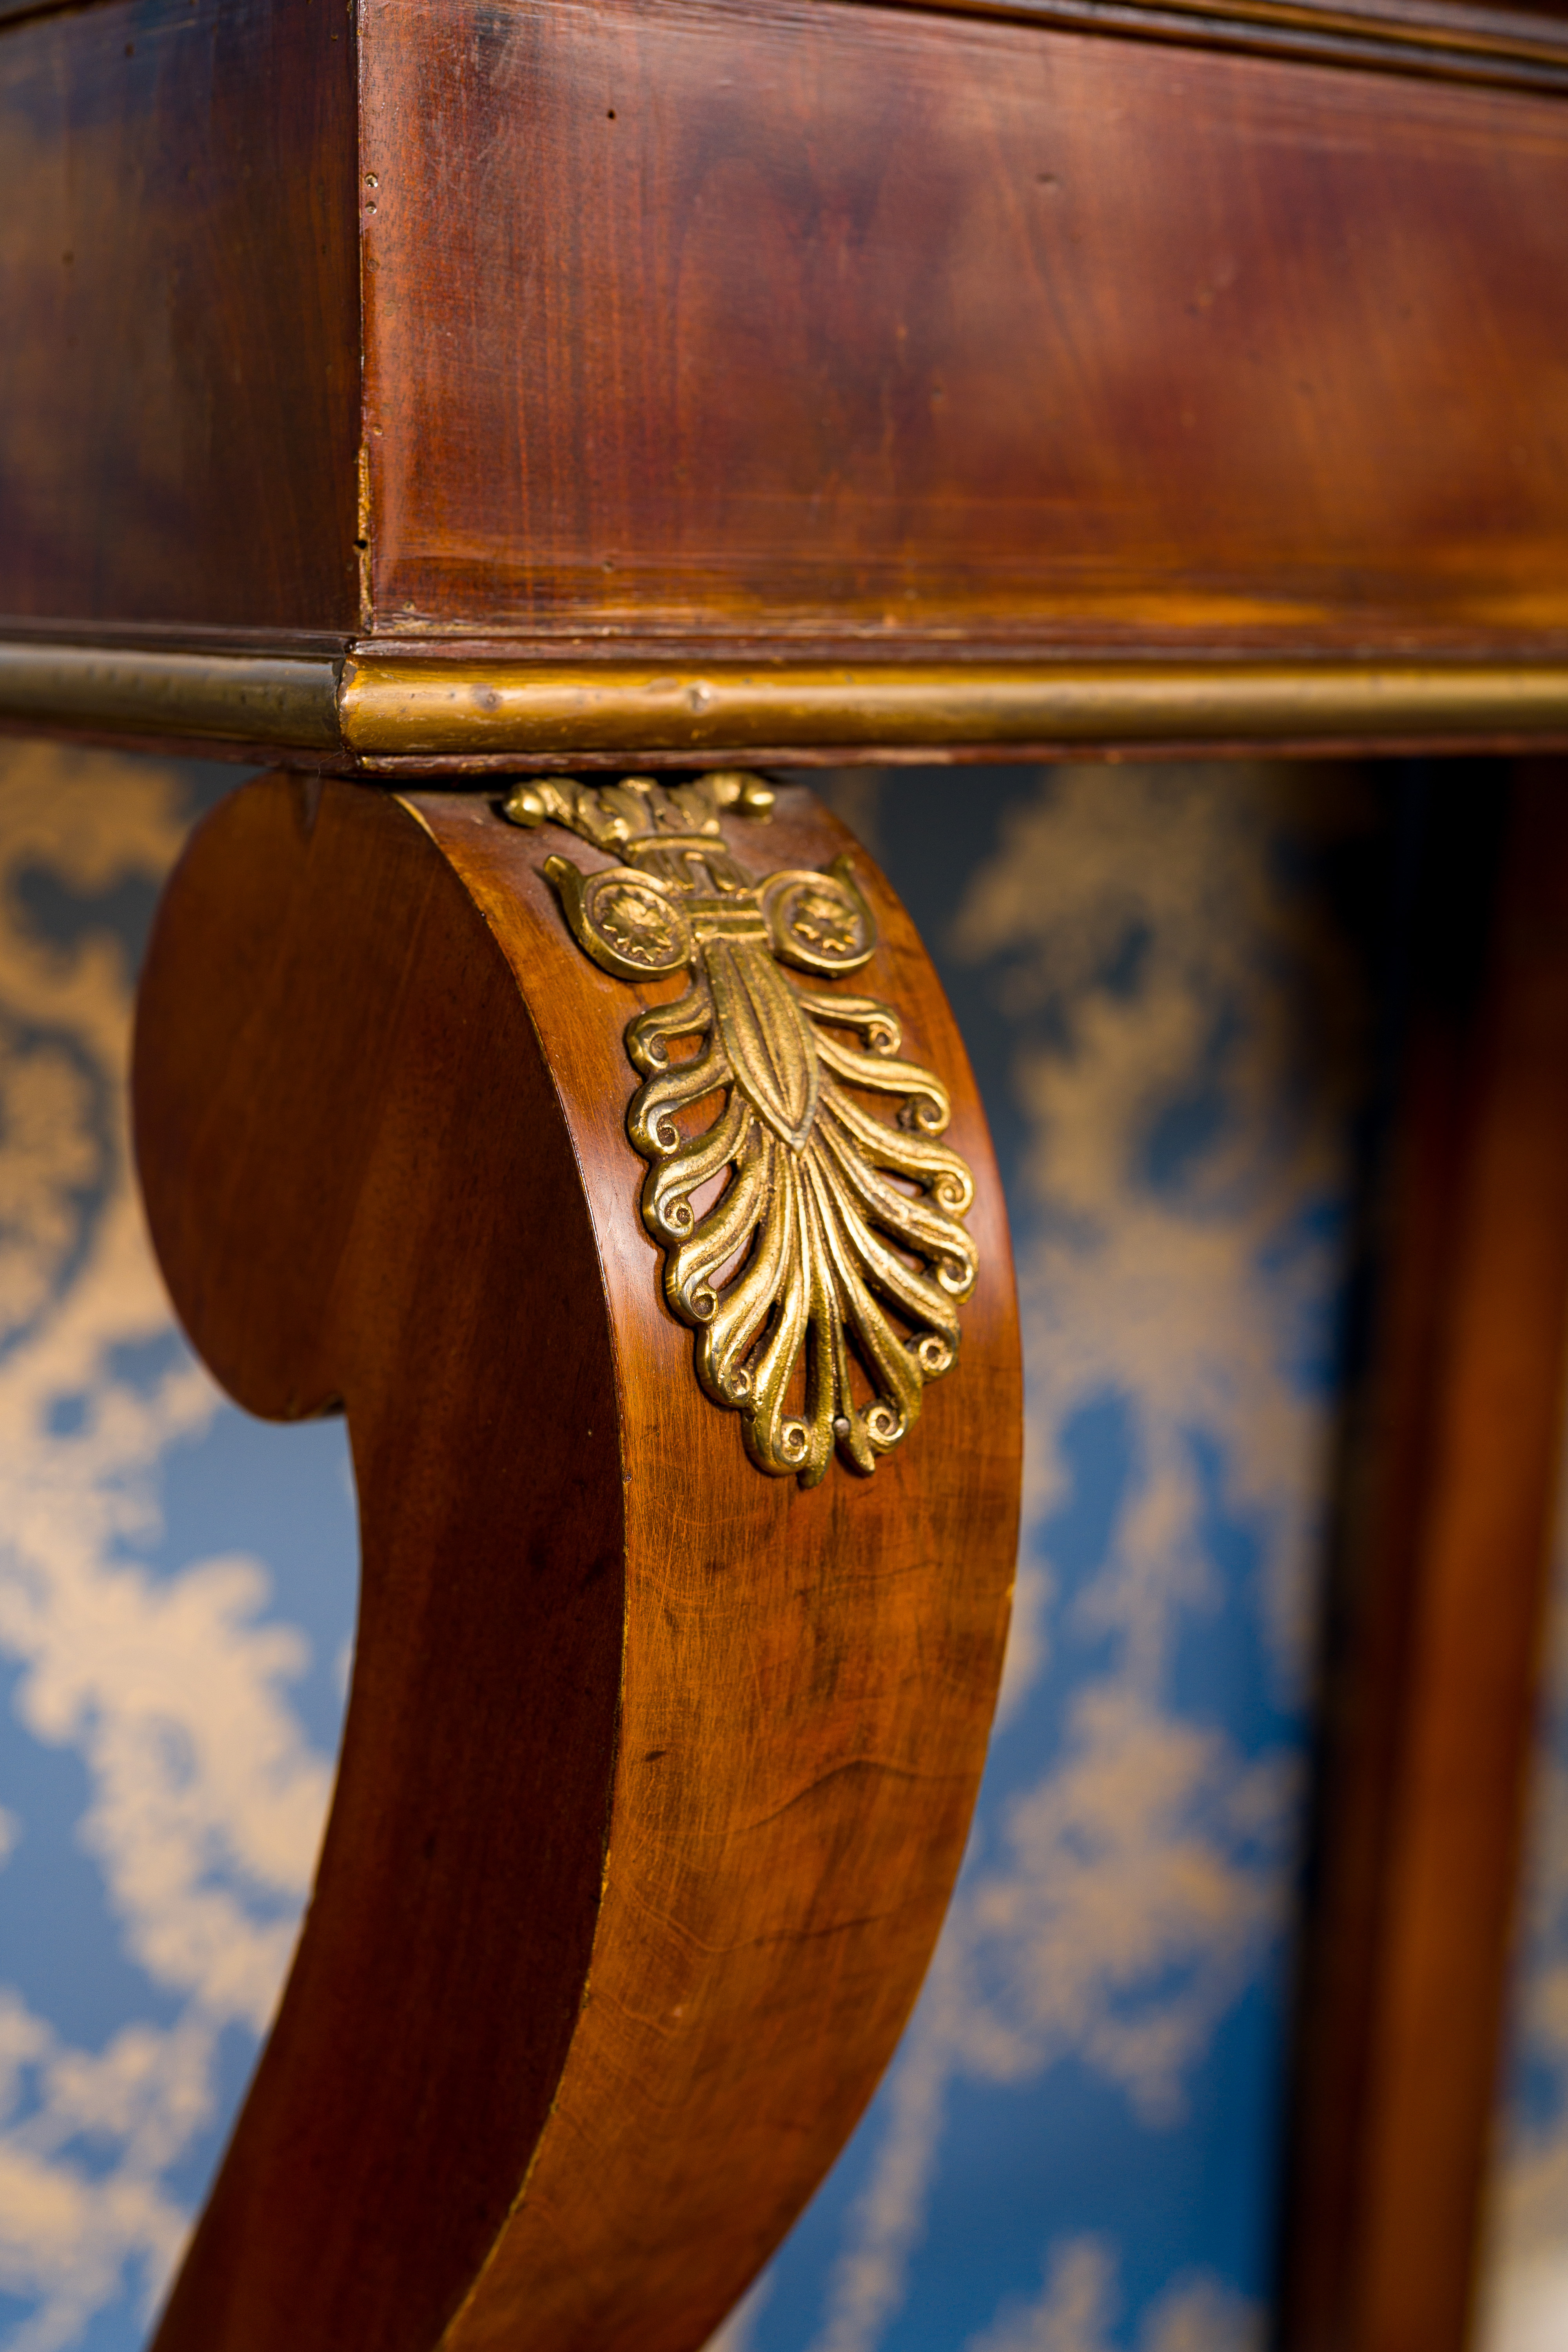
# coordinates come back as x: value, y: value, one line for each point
x: 815, y: 1249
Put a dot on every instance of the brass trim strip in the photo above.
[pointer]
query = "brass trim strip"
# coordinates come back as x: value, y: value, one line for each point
x: 440, y: 709
x: 219, y: 697
x: 405, y: 710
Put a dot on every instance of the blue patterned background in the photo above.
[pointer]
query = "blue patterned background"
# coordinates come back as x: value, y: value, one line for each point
x: 1161, y: 976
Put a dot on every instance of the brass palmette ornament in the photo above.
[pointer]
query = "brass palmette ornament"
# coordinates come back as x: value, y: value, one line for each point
x: 835, y: 1239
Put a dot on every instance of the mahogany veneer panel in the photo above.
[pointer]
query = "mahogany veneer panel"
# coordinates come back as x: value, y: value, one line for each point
x: 179, y: 371
x: 785, y: 321
x: 728, y: 317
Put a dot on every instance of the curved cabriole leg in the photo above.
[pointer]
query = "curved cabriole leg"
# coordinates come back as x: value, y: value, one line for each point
x: 658, y: 1767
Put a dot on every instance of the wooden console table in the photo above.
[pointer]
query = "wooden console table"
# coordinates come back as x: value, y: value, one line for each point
x: 465, y: 406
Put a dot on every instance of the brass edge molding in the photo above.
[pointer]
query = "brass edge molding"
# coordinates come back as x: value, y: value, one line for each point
x: 823, y: 1284
x: 402, y: 708
x: 270, y: 700
x: 387, y: 711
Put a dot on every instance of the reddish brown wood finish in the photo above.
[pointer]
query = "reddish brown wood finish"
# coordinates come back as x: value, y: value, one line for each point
x: 179, y: 371
x: 1430, y: 1723
x: 656, y: 1770
x: 772, y: 316
x: 771, y: 321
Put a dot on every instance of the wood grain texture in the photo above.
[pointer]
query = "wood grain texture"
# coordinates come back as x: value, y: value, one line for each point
x: 791, y: 317
x: 657, y: 1771
x: 1429, y: 1731
x: 179, y: 375
x: 1449, y: 36
x: 1533, y: 29
x: 773, y: 322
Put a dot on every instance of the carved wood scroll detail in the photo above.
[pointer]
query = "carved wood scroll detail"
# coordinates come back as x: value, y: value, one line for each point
x: 655, y: 1773
x: 835, y: 1244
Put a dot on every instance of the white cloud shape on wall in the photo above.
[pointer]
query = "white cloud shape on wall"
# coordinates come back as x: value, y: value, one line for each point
x: 207, y: 1798
x: 1139, y: 1886
x: 1078, y: 2305
x: 1143, y: 1882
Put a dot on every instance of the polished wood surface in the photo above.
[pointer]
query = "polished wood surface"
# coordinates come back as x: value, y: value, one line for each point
x: 179, y: 373
x: 793, y: 325
x: 1524, y: 40
x: 1429, y: 1728
x: 867, y: 320
x: 656, y: 1770
x: 1527, y: 43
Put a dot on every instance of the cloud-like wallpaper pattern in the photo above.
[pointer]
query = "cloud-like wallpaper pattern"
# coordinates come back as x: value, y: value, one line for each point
x: 1074, y: 2149
x: 167, y: 1680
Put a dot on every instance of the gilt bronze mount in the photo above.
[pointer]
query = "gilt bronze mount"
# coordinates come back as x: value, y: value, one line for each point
x: 815, y: 1250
